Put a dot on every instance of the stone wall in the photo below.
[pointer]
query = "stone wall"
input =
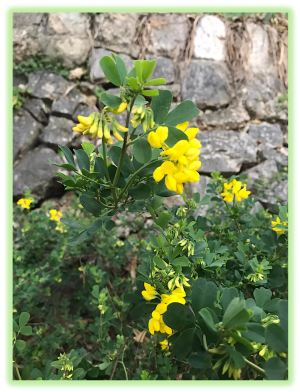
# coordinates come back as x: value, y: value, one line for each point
x: 235, y: 72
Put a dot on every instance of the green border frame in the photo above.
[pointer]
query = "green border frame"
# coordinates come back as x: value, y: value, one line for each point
x: 291, y: 191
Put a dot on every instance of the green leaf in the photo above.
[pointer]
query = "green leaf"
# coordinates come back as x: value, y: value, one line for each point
x: 228, y: 295
x: 205, y: 314
x: 142, y: 151
x: 196, y: 197
x: 95, y: 291
x: 183, y: 344
x: 182, y: 261
x: 203, y: 295
x: 275, y: 369
x: 82, y: 159
x: 100, y: 167
x: 276, y: 338
x: 90, y: 205
x: 78, y: 239
x: 236, y: 314
x: 16, y: 328
x: 110, y: 100
x: 110, y: 70
x: 255, y: 332
x: 133, y: 298
x: 283, y: 315
x: 140, y: 100
x: 110, y: 225
x: 175, y: 135
x: 164, y: 218
x: 236, y: 356
x: 178, y: 316
x: 27, y: 331
x: 139, y: 65
x: 77, y: 373
x: 153, y: 239
x: 114, y: 153
x: 121, y: 68
x: 148, y: 69
x: 132, y: 73
x: 241, y: 257
x: 272, y: 306
x: 68, y: 154
x: 150, y: 93
x: 94, y: 227
x: 142, y: 309
x: 75, y: 225
x: 183, y: 112
x: 133, y: 83
x: 262, y: 296
x: 88, y: 148
x: 140, y: 192
x: 156, y: 202
x: 155, y: 82
x: 24, y: 318
x: 159, y: 262
x: 104, y: 365
x: 197, y: 361
x: 36, y: 373
x: 161, y: 104
x: 240, y: 339
x: 20, y: 344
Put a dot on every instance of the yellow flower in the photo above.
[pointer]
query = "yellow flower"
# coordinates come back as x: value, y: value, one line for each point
x: 278, y: 222
x: 150, y: 292
x: 86, y: 121
x: 164, y: 344
x: 242, y: 194
x: 157, y: 138
x: 55, y: 215
x: 25, y: 203
x: 119, y: 109
x: 61, y: 227
x: 234, y: 188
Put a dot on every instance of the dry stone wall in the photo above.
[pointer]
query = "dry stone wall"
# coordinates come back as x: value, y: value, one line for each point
x: 237, y: 83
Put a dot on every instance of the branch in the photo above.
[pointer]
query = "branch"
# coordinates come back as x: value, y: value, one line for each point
x: 117, y: 358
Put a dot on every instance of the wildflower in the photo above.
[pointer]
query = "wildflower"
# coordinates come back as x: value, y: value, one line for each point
x: 150, y: 292
x: 157, y: 138
x: 120, y: 109
x: 61, y: 227
x: 164, y: 344
x: 25, y: 203
x: 183, y: 161
x: 278, y: 222
x: 55, y: 215
x: 234, y: 189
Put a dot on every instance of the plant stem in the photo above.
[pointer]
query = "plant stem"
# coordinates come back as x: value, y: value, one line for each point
x: 117, y: 359
x: 17, y: 370
x: 139, y: 137
x: 136, y: 173
x: 123, y: 152
x: 256, y: 368
x: 113, y: 191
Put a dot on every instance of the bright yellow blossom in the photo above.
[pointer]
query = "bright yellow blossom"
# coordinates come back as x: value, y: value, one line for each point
x: 164, y: 344
x: 119, y: 109
x: 55, y: 215
x: 25, y: 203
x: 157, y: 138
x: 150, y: 292
x: 234, y: 189
x: 278, y: 222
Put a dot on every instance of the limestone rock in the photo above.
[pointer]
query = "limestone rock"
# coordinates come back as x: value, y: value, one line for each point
x: 168, y: 34
x: 176, y: 200
x: 277, y: 194
x: 225, y: 151
x: 37, y: 109
x: 265, y: 153
x: 83, y: 110
x: 58, y: 132
x: 24, y: 19
x: 284, y: 129
x: 66, y: 106
x: 264, y: 171
x: 69, y: 23
x: 269, y: 135
x: 207, y: 83
x: 209, y: 41
x: 35, y: 172
x: 47, y: 85
x: 256, y: 208
x: 116, y: 31
x: 25, y: 132
x: 201, y: 187
x: 233, y: 117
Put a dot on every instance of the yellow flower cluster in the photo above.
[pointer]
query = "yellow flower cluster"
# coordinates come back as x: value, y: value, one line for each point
x: 164, y: 344
x: 25, y: 203
x: 278, y: 222
x: 183, y: 160
x: 156, y: 323
x: 55, y: 215
x: 98, y: 126
x: 234, y: 189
